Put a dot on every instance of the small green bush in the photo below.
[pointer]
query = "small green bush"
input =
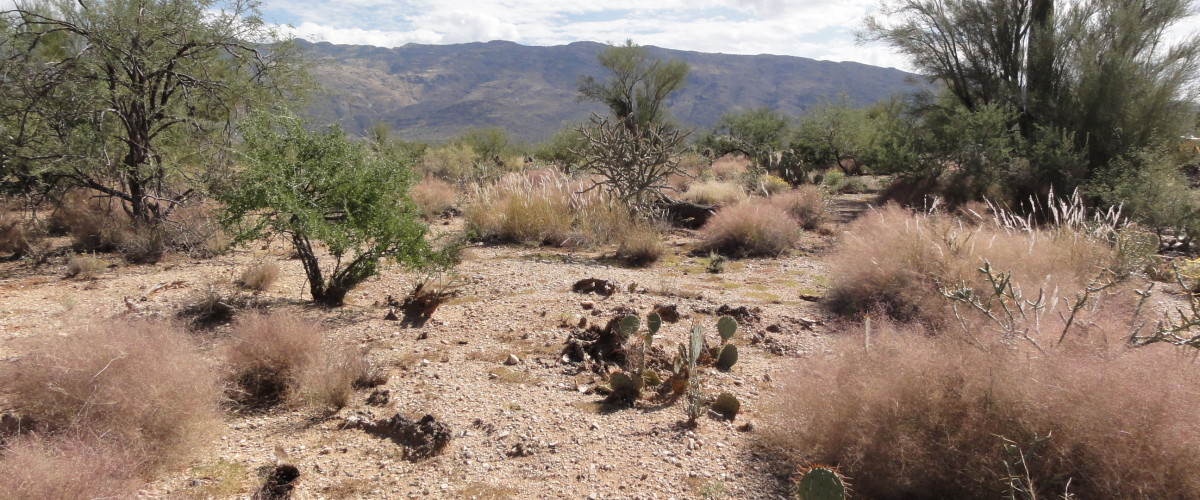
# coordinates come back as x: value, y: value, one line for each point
x: 322, y: 187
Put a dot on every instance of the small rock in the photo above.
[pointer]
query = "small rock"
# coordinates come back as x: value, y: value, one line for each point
x: 587, y: 305
x: 512, y: 360
x: 747, y: 427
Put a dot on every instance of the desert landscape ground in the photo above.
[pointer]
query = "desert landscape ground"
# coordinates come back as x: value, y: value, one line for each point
x: 238, y: 265
x: 535, y: 428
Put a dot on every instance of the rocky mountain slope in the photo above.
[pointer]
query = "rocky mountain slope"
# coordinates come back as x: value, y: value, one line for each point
x: 431, y: 92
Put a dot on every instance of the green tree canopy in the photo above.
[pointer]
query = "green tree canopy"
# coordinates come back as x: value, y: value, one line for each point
x: 638, y: 85
x: 1102, y: 73
x: 120, y: 95
x: 322, y: 187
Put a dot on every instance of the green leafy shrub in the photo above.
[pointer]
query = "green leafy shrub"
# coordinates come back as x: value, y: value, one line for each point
x: 321, y: 187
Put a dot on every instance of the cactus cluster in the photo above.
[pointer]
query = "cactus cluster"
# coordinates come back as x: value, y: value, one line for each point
x: 628, y: 386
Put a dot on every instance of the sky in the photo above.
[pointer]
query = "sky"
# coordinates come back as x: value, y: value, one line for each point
x: 817, y: 29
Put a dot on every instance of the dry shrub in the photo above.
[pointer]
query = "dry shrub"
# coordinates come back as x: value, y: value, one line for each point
x: 640, y: 245
x: 433, y: 197
x: 142, y: 385
x: 769, y: 185
x: 543, y: 208
x: 99, y: 224
x: 751, y: 228
x: 714, y: 193
x: 452, y: 162
x: 807, y: 204
x: 919, y: 417
x: 730, y: 168
x: 279, y: 358
x: 260, y: 276
x: 84, y: 267
x: 194, y: 228
x: 896, y: 259
x: 35, y: 467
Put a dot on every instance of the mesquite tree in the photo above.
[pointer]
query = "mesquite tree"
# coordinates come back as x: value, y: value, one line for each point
x: 133, y: 98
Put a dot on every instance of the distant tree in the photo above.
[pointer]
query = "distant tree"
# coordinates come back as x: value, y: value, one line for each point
x: 321, y: 187
x: 118, y: 96
x: 633, y: 150
x: 638, y: 85
x: 833, y: 133
x: 756, y: 133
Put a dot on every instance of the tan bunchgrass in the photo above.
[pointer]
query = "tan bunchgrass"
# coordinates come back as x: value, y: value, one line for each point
x: 433, y: 197
x: 544, y: 208
x: 714, y: 193
x: 143, y: 386
x: 259, y: 276
x: 279, y: 358
x: 640, y: 245
x: 908, y: 415
x: 67, y: 468
x: 900, y: 260
x: 755, y: 227
x: 807, y: 204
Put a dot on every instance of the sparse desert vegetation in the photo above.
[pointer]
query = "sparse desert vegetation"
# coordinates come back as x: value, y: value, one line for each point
x: 205, y: 293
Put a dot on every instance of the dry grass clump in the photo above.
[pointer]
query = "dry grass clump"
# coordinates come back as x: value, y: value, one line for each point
x: 918, y: 417
x: 18, y: 237
x: 35, y: 467
x: 99, y: 224
x: 640, y: 245
x: 714, y: 193
x: 278, y: 358
x: 84, y: 267
x: 433, y: 197
x: 141, y: 385
x: 259, y: 276
x: 896, y: 259
x: 543, y: 208
x: 807, y: 204
x: 751, y: 228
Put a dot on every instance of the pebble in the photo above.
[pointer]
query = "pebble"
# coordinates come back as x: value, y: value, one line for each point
x: 512, y: 360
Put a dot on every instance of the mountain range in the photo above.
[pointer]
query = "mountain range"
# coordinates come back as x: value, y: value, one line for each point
x: 434, y: 92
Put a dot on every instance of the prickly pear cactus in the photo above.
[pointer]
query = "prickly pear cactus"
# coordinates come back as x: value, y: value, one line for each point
x: 628, y: 325
x: 727, y: 405
x: 695, y: 345
x: 821, y: 483
x: 729, y: 356
x: 726, y: 326
x: 623, y: 385
x: 653, y: 323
